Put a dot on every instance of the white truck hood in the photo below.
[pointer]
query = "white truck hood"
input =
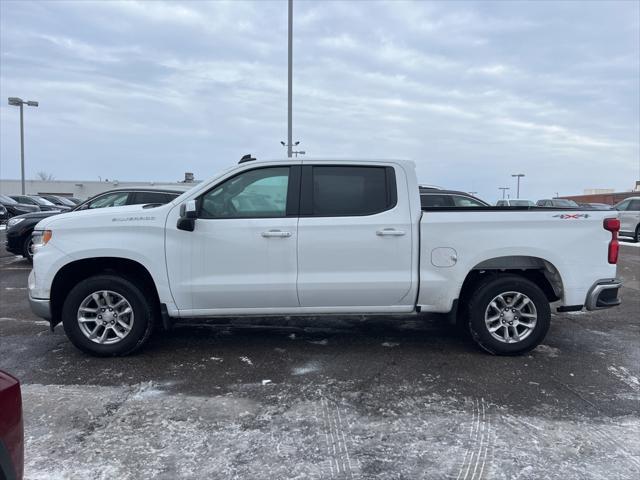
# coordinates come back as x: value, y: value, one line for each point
x: 128, y: 214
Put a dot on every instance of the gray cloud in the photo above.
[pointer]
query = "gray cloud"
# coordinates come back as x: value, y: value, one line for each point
x: 471, y: 91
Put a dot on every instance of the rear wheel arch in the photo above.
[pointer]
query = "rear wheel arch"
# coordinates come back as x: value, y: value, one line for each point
x: 535, y: 269
x: 74, y: 272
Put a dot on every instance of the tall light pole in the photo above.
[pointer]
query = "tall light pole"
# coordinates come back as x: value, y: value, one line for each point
x: 504, y: 189
x: 290, y: 93
x: 519, y: 175
x: 18, y: 102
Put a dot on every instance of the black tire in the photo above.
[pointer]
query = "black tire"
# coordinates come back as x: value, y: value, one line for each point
x: 636, y: 237
x: 479, y: 301
x: 143, y: 311
x: 27, y: 249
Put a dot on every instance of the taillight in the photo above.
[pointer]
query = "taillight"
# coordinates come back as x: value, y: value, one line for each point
x: 613, y: 225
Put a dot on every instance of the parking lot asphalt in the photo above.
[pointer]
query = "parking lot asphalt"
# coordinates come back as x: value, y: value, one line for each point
x: 349, y: 397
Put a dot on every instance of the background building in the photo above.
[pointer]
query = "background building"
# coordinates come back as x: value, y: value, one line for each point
x: 81, y: 189
x: 604, y: 195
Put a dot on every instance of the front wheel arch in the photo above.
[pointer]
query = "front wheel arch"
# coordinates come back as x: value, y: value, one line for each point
x: 74, y: 272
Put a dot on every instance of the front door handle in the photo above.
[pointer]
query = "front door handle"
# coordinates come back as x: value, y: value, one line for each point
x: 276, y: 233
x: 390, y: 232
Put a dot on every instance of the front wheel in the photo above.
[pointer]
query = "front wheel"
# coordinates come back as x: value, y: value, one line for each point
x: 637, y: 235
x: 508, y: 315
x: 107, y: 315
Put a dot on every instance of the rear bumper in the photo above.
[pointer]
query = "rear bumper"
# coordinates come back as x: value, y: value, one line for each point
x: 603, y: 294
x: 41, y: 307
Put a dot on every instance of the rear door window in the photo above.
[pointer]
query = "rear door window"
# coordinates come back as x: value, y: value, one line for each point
x: 634, y: 206
x: 349, y: 191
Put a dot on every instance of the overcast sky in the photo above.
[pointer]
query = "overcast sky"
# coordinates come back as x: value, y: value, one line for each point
x: 473, y: 92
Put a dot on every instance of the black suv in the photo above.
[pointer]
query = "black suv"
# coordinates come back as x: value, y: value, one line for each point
x: 19, y: 229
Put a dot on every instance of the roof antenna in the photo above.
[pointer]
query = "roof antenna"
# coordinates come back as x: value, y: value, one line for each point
x: 246, y: 158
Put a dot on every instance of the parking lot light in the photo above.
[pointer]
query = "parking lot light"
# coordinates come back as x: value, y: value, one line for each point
x: 18, y: 102
x: 519, y: 176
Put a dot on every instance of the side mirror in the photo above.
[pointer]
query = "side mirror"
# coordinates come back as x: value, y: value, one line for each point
x: 188, y: 214
x: 188, y: 209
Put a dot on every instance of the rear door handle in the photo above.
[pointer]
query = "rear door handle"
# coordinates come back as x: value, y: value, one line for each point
x: 276, y: 233
x: 390, y: 232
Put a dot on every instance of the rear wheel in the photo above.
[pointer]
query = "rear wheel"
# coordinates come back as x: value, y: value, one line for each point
x: 508, y: 315
x: 107, y: 315
x: 636, y: 237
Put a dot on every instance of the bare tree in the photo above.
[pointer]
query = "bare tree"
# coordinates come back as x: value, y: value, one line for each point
x: 45, y: 176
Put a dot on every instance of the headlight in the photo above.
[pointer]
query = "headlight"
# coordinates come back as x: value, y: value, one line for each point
x: 14, y: 221
x: 41, y: 237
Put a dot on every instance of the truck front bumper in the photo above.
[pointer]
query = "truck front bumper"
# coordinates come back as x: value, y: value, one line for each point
x: 603, y: 294
x: 41, y: 307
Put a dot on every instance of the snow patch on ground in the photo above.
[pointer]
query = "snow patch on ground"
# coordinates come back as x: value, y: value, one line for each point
x: 90, y: 432
x: 623, y: 374
x: 35, y: 322
x: 308, y: 367
x: 390, y: 344
x: 319, y: 342
x: 547, y: 350
x: 246, y: 360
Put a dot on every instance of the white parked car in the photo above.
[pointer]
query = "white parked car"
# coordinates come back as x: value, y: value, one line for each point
x: 297, y: 237
x: 629, y: 217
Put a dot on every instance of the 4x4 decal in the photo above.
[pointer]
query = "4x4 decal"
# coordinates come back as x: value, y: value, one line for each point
x: 567, y: 216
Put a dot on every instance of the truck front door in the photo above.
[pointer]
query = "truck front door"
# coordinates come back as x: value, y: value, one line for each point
x: 242, y: 251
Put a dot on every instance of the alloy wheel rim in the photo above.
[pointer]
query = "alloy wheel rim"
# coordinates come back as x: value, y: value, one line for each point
x: 511, y: 317
x: 105, y: 317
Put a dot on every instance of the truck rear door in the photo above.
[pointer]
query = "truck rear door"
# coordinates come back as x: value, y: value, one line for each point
x: 354, y: 236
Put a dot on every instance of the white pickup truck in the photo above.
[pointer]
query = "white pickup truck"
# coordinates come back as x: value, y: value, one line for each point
x: 309, y: 237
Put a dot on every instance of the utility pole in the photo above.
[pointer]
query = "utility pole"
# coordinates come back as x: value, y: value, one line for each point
x: 290, y: 93
x: 18, y: 102
x: 519, y: 175
x: 504, y: 189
